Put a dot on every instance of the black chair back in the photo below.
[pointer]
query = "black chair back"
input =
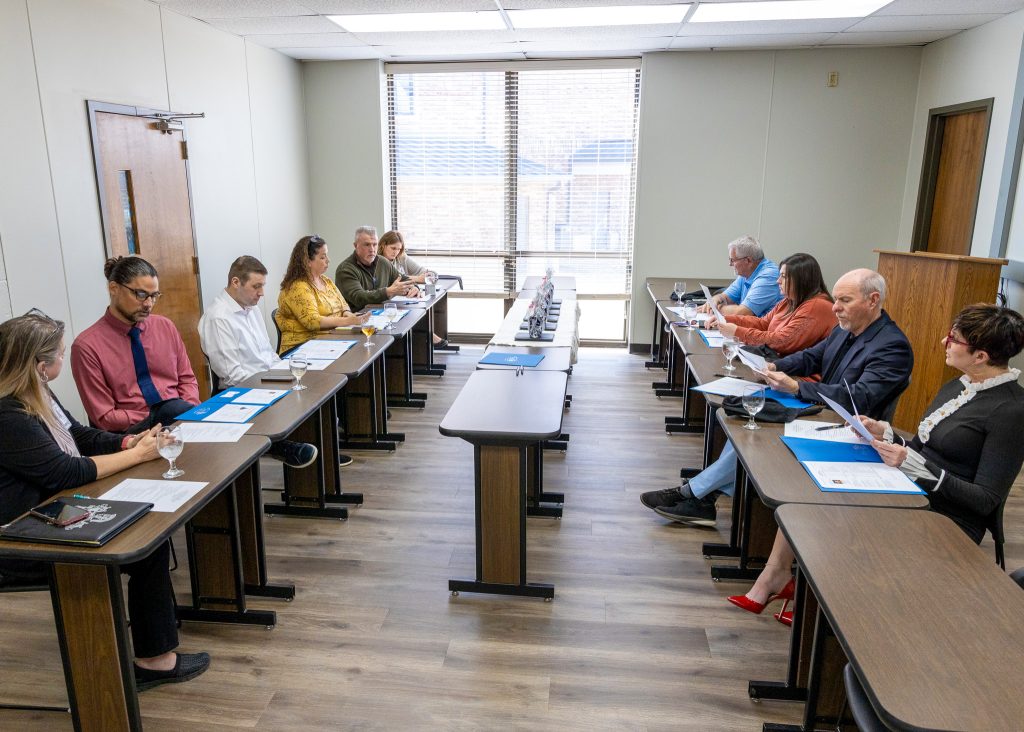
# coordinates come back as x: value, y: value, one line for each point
x: 857, y: 702
x: 995, y: 527
x: 273, y: 316
x: 894, y: 399
x: 1018, y: 577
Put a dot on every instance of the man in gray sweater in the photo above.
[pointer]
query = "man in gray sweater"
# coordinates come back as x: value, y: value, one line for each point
x: 363, y: 276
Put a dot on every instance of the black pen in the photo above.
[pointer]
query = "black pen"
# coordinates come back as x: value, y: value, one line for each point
x: 828, y: 427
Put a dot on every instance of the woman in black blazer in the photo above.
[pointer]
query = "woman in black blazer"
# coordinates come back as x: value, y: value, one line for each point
x: 44, y: 451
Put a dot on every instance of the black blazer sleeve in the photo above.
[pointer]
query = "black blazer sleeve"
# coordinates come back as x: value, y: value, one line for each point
x: 29, y: 452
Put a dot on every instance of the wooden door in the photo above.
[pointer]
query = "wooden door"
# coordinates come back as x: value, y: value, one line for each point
x: 144, y: 195
x: 951, y: 178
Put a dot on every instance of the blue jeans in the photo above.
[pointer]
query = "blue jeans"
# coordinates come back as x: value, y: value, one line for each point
x: 719, y: 476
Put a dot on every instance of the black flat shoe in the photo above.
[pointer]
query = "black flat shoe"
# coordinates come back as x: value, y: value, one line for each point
x: 186, y: 667
x: 443, y: 343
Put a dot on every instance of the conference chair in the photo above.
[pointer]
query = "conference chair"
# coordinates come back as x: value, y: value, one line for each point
x: 994, y: 524
x: 858, y: 705
x: 277, y: 328
x: 1018, y: 577
x: 894, y: 399
x: 14, y: 584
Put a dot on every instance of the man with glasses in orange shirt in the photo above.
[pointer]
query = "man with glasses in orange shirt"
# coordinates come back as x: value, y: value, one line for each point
x: 130, y: 366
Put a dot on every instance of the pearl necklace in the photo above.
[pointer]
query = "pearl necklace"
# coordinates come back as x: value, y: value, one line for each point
x: 924, y: 430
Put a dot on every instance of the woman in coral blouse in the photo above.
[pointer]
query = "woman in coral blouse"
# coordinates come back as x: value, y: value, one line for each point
x: 309, y: 301
x: 802, y: 318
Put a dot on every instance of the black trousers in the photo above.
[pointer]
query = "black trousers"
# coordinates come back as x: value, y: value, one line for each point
x: 154, y: 627
x: 163, y: 413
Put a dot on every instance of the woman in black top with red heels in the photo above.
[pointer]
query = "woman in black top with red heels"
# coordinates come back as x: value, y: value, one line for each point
x: 968, y: 448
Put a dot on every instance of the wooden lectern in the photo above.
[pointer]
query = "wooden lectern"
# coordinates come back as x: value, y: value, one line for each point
x: 926, y: 291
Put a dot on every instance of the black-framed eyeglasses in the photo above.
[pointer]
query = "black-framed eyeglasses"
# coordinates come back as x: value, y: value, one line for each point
x: 143, y: 295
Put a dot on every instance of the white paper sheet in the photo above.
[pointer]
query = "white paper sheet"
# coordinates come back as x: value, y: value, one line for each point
x: 854, y: 422
x: 713, y: 337
x: 259, y: 396
x: 312, y: 364
x: 729, y: 386
x: 711, y: 303
x: 403, y: 298
x: 808, y: 429
x: 201, y: 432
x: 868, y: 477
x: 233, y: 413
x: 380, y: 322
x: 167, y: 496
x: 699, y: 317
x: 753, y: 360
x: 329, y: 350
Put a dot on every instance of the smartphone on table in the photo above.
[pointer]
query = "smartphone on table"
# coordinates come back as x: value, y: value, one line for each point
x: 60, y: 513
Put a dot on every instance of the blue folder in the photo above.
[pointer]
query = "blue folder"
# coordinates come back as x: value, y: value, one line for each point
x: 204, y: 410
x: 236, y: 395
x: 786, y: 400
x: 496, y: 358
x: 830, y: 452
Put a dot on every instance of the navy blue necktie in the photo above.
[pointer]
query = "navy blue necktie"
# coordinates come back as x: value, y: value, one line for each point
x: 149, y: 392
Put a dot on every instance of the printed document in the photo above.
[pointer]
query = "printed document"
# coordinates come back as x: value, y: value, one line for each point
x: 854, y: 422
x: 200, y: 432
x: 866, y: 477
x: 167, y: 496
x: 753, y: 360
x: 729, y: 386
x: 808, y: 429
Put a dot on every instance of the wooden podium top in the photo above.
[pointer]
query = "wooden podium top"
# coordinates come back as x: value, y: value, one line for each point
x: 939, y: 255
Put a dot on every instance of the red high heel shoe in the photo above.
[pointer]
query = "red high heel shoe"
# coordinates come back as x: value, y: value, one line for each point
x: 752, y: 606
x: 785, y: 617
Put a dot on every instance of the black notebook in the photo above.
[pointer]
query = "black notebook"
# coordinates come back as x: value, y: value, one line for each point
x: 107, y: 519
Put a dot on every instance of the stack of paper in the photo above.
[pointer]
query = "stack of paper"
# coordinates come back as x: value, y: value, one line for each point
x: 713, y: 338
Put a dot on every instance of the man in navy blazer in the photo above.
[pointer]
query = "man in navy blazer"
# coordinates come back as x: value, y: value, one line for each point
x: 867, y: 350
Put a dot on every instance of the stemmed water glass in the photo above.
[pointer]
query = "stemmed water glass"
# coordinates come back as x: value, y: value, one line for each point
x: 753, y: 402
x: 368, y: 329
x: 730, y: 348
x: 390, y: 313
x: 689, y: 314
x: 169, y: 444
x: 679, y: 289
x: 298, y: 366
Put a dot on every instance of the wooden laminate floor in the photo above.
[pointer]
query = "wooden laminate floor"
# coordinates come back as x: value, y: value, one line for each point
x: 638, y: 636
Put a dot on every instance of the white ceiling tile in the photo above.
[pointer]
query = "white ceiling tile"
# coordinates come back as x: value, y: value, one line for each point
x: 777, y: 40
x: 884, y: 38
x: 949, y: 7
x: 359, y: 7
x: 331, y: 54
x: 259, y: 26
x: 767, y: 27
x: 205, y: 9
x: 632, y: 46
x: 545, y: 4
x: 599, y: 32
x: 921, y: 22
x: 306, y: 40
x: 436, y: 38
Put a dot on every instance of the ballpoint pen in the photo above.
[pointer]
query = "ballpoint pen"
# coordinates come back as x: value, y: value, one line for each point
x: 828, y: 427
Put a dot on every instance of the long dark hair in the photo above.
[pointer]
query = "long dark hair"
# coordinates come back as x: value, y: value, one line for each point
x: 803, y: 279
x: 304, y: 251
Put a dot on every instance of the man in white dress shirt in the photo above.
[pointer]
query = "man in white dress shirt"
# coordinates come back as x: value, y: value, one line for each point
x: 234, y: 339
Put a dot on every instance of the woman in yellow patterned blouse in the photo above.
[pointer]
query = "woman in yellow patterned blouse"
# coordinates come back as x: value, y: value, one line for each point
x: 309, y: 302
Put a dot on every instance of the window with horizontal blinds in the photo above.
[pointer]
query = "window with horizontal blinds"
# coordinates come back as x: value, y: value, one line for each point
x: 499, y: 173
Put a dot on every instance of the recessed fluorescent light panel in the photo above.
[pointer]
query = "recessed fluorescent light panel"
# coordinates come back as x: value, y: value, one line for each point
x: 785, y: 10
x: 401, y: 22
x: 595, y: 16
